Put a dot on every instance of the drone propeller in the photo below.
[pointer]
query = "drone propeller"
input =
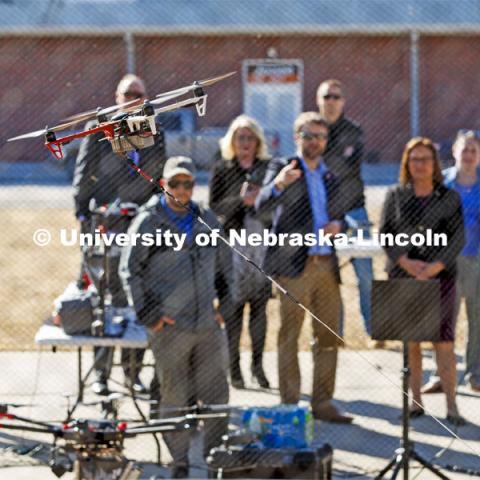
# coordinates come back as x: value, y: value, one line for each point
x: 16, y: 405
x: 39, y: 133
x: 202, y: 83
x: 90, y: 114
x: 133, y: 105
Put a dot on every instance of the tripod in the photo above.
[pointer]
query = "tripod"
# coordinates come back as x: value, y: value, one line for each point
x: 406, y: 451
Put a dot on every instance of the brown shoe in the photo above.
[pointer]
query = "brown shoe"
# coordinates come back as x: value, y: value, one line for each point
x: 432, y: 386
x: 329, y: 413
x: 474, y: 385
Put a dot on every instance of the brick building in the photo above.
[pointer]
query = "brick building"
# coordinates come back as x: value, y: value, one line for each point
x: 59, y: 58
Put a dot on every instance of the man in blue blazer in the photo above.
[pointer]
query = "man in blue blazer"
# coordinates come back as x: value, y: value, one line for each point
x: 301, y: 195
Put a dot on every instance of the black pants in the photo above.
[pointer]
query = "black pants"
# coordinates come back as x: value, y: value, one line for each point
x: 104, y: 355
x: 257, y: 327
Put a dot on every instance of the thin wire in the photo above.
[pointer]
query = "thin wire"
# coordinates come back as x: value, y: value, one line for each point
x: 155, y: 183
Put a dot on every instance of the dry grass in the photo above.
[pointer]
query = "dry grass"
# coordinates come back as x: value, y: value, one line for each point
x: 33, y: 276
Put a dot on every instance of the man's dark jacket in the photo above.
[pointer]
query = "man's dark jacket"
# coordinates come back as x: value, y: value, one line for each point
x: 291, y: 213
x: 343, y: 156
x: 179, y: 284
x: 106, y: 176
x: 225, y: 186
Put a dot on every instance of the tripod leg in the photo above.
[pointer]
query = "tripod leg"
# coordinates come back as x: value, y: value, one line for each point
x: 382, y: 473
x: 399, y: 464
x: 428, y: 465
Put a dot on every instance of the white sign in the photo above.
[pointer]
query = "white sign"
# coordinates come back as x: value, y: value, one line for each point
x: 273, y: 95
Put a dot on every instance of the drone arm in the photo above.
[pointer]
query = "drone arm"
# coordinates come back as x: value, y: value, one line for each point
x: 28, y: 428
x: 55, y: 145
x: 29, y: 420
x: 174, y: 427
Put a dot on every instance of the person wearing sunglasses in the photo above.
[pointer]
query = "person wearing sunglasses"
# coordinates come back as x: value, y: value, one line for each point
x: 234, y: 186
x: 173, y: 293
x: 343, y: 156
x: 101, y: 176
x: 302, y: 196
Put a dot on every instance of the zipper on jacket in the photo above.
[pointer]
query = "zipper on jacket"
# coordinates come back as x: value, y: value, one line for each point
x: 192, y: 257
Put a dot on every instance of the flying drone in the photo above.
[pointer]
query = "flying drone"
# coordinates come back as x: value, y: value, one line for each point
x: 128, y: 126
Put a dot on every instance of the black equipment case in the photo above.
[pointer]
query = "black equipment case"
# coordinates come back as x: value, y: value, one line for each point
x: 244, y: 462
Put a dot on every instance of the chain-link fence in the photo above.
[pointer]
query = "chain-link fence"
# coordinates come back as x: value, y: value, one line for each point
x: 393, y: 71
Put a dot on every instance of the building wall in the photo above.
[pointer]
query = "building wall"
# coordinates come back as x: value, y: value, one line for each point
x: 47, y: 79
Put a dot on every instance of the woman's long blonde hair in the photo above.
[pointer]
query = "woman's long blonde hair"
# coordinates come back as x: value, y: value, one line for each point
x: 244, y: 121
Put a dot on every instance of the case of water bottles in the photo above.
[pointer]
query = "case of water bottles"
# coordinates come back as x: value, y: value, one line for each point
x: 283, y: 426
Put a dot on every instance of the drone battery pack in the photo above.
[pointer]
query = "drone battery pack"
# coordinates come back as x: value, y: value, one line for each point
x: 130, y: 143
x: 247, y: 462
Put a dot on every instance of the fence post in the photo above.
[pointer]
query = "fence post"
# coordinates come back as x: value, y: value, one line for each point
x: 129, y: 40
x: 414, y: 85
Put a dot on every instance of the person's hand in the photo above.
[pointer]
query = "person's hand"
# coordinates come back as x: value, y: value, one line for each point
x: 287, y: 175
x: 219, y: 318
x: 85, y: 226
x: 162, y: 322
x: 430, y: 270
x: 333, y: 228
x: 412, y: 267
x: 249, y: 193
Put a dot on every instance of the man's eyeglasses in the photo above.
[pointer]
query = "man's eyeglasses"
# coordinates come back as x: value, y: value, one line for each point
x: 311, y: 136
x: 332, y: 96
x: 420, y: 159
x: 187, y: 184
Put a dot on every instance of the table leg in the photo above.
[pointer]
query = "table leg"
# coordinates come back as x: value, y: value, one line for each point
x: 80, y: 381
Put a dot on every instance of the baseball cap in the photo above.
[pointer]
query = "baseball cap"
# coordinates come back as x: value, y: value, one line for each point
x: 179, y: 166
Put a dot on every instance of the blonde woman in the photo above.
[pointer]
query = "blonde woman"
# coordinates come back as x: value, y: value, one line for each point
x: 235, y: 183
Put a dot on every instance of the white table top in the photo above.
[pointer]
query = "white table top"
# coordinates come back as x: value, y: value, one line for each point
x: 365, y: 249
x: 135, y: 336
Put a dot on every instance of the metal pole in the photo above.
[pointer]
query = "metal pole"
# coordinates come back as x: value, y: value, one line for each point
x: 405, y: 412
x: 129, y: 40
x: 414, y: 85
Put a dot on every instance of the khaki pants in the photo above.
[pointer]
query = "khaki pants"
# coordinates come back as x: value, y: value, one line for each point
x: 317, y: 288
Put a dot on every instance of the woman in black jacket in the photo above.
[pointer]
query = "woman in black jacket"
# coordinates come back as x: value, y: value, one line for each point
x: 421, y: 202
x: 235, y: 183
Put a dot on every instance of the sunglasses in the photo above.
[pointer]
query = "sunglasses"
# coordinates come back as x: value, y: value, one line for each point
x: 134, y: 94
x: 332, y: 96
x: 186, y: 184
x: 311, y: 136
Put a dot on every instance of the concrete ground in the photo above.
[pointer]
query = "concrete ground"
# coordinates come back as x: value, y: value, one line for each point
x: 368, y: 387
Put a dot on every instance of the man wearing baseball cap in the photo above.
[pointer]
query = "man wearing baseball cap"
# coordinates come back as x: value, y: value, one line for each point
x: 173, y: 293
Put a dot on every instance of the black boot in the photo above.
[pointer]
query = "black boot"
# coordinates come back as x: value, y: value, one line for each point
x: 236, y: 378
x: 259, y: 374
